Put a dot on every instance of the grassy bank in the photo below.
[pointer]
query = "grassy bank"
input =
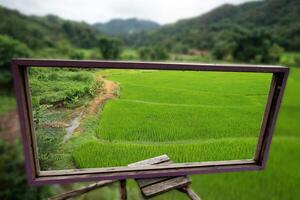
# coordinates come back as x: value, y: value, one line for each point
x: 58, y: 95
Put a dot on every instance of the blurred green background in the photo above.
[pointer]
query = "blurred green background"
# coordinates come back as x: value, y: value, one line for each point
x: 257, y: 32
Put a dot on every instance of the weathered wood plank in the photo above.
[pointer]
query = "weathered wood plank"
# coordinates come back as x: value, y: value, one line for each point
x: 149, y: 187
x: 154, y: 186
x: 149, y: 181
x: 81, y: 191
x: 174, y: 183
x: 212, y: 166
x: 151, y: 161
x: 190, y: 193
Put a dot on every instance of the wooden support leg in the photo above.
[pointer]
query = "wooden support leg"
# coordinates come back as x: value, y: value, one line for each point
x: 190, y: 193
x: 123, y: 191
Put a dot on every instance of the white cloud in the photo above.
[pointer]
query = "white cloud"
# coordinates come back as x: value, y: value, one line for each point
x: 162, y: 11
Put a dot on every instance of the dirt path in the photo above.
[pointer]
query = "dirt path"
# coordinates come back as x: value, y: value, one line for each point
x: 9, y: 126
x: 109, y: 90
x: 9, y: 123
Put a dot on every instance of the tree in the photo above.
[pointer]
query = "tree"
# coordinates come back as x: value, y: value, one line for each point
x: 160, y: 53
x: 153, y: 53
x: 145, y: 53
x: 9, y: 49
x: 256, y: 46
x: 67, y: 50
x: 110, y: 48
x: 275, y: 52
x: 223, y: 50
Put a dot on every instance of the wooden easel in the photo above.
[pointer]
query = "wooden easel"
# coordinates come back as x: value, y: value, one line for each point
x: 149, y: 187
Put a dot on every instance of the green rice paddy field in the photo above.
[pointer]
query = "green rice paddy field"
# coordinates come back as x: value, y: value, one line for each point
x: 193, y: 117
x: 190, y: 116
x: 115, y: 145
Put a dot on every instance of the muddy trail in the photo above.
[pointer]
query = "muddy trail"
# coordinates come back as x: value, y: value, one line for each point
x: 108, y: 90
x: 9, y: 123
x: 9, y: 126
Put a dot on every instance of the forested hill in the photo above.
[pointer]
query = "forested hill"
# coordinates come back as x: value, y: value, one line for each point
x: 279, y: 18
x: 120, y: 27
x: 49, y: 31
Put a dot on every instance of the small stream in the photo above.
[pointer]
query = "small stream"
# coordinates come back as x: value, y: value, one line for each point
x: 73, y: 125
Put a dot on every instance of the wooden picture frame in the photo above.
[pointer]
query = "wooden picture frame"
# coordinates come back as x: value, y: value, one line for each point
x: 37, y: 177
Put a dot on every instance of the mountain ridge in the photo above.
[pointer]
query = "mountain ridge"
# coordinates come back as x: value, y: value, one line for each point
x: 46, y: 31
x: 280, y: 18
x: 119, y: 27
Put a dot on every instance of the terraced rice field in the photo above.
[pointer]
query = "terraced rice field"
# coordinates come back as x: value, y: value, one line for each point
x: 190, y: 116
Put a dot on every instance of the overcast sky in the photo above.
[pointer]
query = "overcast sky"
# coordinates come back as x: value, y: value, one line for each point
x: 91, y: 11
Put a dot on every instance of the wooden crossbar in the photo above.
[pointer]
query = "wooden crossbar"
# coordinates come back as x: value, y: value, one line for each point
x: 81, y: 191
x: 149, y: 187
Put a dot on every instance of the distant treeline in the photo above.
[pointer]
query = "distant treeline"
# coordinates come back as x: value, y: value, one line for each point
x: 225, y: 30
x: 50, y: 37
x: 253, y: 32
x: 49, y: 31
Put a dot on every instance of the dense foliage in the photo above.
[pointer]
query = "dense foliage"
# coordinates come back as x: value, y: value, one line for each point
x: 279, y: 18
x: 110, y: 48
x: 10, y: 48
x: 61, y: 87
x: 49, y: 31
x: 248, y: 46
x: 153, y: 53
x: 49, y: 37
x: 13, y: 183
x: 55, y: 93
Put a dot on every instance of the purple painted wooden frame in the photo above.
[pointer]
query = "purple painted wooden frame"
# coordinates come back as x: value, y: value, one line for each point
x: 37, y: 177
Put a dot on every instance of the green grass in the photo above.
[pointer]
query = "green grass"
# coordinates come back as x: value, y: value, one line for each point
x: 57, y: 96
x: 291, y: 59
x: 280, y: 180
x: 121, y: 154
x: 53, y: 86
x: 49, y: 142
x: 146, y: 122
x: 289, y: 117
x: 190, y: 116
